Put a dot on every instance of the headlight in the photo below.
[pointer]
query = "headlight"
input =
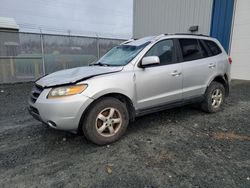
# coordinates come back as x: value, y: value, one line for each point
x: 66, y: 91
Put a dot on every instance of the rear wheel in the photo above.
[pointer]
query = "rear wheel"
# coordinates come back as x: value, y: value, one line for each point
x: 106, y: 121
x: 214, y: 98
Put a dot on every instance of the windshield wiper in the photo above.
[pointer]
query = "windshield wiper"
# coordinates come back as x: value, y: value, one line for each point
x: 99, y: 64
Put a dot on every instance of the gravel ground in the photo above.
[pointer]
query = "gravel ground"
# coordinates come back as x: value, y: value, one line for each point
x: 182, y: 147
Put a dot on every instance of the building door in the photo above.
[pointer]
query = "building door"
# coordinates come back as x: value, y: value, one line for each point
x: 222, y: 17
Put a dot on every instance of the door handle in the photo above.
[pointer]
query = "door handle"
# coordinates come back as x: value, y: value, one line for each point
x: 176, y: 73
x: 211, y: 65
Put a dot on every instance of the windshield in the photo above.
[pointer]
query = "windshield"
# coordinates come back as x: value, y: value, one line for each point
x: 120, y: 55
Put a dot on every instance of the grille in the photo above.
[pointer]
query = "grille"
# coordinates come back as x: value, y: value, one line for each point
x: 35, y: 93
x: 34, y: 110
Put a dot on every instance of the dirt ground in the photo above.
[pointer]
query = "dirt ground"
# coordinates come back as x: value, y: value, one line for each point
x: 182, y: 147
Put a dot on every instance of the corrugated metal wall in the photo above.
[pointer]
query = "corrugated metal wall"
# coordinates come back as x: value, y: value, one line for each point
x: 153, y: 17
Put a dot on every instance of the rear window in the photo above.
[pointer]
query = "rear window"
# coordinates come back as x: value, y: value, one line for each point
x: 190, y: 49
x: 213, y: 47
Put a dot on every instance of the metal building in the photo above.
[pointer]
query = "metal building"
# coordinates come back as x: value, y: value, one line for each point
x: 171, y: 16
x: 8, y: 24
x: 226, y: 20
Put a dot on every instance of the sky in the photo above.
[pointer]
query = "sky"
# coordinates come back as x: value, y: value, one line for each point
x: 106, y: 18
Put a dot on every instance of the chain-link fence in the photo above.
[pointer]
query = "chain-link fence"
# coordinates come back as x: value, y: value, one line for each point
x: 28, y: 56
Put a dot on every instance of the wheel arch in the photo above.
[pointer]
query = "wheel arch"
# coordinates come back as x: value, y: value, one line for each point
x: 223, y: 79
x: 121, y: 97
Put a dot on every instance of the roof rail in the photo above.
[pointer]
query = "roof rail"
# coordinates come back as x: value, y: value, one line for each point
x: 159, y: 36
x: 192, y: 34
x: 128, y: 41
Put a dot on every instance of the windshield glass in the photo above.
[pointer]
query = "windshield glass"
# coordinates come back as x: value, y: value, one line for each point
x: 120, y: 55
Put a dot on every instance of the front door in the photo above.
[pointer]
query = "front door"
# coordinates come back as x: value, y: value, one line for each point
x: 159, y: 84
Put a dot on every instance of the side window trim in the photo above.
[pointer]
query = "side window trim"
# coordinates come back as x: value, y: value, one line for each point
x: 206, y: 47
x: 179, y: 55
x: 202, y: 47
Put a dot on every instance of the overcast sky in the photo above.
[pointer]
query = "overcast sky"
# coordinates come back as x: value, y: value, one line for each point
x: 108, y: 18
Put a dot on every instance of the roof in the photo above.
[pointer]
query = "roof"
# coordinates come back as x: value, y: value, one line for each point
x: 8, y: 23
x: 138, y: 42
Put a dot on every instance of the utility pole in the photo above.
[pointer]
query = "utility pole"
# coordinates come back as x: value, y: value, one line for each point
x: 98, y: 46
x: 42, y: 51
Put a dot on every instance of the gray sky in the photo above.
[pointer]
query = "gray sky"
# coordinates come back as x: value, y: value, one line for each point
x: 107, y: 18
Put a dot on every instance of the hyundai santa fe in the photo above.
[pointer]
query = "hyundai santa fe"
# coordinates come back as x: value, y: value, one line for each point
x: 137, y: 77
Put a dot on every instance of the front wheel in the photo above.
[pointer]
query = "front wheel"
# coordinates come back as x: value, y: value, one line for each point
x: 214, y: 98
x: 106, y: 121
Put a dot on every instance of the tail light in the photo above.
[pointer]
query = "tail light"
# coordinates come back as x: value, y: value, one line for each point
x: 230, y: 61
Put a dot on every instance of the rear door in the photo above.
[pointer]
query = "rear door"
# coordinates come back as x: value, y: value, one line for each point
x: 159, y: 84
x: 197, y: 67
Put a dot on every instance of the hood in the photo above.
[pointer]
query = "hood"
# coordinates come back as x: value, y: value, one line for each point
x: 71, y: 76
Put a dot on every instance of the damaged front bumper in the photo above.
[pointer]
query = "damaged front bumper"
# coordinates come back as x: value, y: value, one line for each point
x: 61, y: 113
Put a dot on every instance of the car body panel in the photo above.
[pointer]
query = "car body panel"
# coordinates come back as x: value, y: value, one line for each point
x: 195, y: 82
x: 64, y: 112
x: 157, y: 85
x: 73, y: 75
x: 121, y: 83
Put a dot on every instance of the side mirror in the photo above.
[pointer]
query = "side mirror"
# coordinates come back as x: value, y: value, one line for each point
x: 150, y: 60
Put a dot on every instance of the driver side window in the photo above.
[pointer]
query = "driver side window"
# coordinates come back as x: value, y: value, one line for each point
x: 164, y: 50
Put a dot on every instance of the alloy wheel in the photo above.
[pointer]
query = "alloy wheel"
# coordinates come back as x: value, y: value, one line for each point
x: 217, y: 98
x: 108, y: 122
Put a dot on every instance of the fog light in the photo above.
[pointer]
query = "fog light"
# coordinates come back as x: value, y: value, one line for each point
x: 51, y: 124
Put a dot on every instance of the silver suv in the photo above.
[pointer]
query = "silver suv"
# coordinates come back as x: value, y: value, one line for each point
x: 137, y: 77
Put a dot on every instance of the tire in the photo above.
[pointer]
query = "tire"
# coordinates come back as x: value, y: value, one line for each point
x: 214, y: 98
x: 106, y: 121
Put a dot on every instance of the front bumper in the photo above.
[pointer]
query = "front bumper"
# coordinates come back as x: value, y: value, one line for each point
x: 62, y: 113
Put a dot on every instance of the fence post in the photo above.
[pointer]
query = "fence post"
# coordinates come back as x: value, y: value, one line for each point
x: 42, y: 47
x: 98, y: 46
